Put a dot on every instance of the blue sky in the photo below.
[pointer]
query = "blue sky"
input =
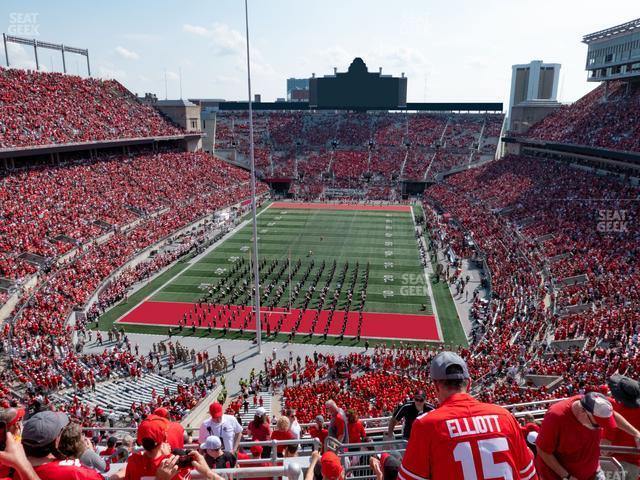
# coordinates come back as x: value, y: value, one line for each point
x: 456, y: 50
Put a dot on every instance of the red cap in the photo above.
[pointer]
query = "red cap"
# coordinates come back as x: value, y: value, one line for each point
x: 161, y: 412
x: 256, y: 450
x: 383, y: 458
x: 215, y: 410
x: 153, y: 427
x: 19, y: 416
x: 330, y: 466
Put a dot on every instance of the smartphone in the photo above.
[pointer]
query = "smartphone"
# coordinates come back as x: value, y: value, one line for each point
x: 184, y: 459
x: 3, y: 436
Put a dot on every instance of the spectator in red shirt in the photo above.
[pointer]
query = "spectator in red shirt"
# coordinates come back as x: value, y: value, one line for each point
x: 40, y: 438
x: 569, y: 441
x: 452, y: 441
x: 111, y: 447
x: 152, y: 435
x: 626, y: 394
x: 260, y: 430
x: 357, y: 433
x: 14, y: 457
x: 258, y: 460
x: 175, y: 433
x: 282, y: 432
x: 338, y: 423
x: 318, y: 431
x: 12, y: 418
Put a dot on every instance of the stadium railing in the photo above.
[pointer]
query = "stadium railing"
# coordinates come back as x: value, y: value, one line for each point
x: 355, y: 456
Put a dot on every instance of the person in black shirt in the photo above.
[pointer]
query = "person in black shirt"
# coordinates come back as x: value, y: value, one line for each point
x: 215, y: 456
x: 409, y: 412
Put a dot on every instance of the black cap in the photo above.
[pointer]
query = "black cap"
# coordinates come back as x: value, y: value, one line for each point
x: 419, y: 395
x: 625, y: 390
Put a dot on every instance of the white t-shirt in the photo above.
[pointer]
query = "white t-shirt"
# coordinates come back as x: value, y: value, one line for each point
x: 226, y: 430
x: 295, y: 429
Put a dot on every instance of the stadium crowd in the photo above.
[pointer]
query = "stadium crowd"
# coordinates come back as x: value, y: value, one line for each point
x: 606, y: 117
x: 39, y: 108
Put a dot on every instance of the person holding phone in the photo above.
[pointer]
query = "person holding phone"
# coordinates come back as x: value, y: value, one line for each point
x: 10, y: 423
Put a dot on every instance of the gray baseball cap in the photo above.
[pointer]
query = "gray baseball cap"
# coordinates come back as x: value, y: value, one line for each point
x: 444, y: 360
x: 43, y: 428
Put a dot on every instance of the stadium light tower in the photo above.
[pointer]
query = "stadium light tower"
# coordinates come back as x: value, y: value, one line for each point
x: 254, y: 255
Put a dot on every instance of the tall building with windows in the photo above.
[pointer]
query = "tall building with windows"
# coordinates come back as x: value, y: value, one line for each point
x: 534, y: 92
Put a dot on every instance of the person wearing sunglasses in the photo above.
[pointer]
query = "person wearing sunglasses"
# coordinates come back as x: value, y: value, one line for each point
x: 408, y: 412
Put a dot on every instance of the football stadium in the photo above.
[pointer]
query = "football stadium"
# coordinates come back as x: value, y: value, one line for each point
x: 213, y: 279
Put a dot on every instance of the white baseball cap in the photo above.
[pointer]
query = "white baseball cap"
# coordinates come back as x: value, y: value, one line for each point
x: 211, y: 443
x: 260, y: 411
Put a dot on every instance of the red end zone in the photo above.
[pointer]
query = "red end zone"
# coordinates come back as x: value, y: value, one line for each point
x: 374, y: 325
x: 340, y: 206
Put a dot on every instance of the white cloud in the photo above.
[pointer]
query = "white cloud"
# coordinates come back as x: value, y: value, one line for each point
x: 172, y: 75
x: 108, y: 71
x: 228, y: 42
x: 196, y: 30
x: 224, y: 39
x: 127, y: 54
x: 19, y: 58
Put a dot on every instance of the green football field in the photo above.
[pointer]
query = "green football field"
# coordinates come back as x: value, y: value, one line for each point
x: 299, y: 247
x: 384, y: 240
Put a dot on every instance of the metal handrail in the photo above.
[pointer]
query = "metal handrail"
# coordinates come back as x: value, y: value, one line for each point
x: 290, y: 470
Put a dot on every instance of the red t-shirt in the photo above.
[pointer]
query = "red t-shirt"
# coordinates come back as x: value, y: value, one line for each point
x: 618, y: 437
x: 66, y: 470
x: 280, y: 435
x: 466, y: 439
x: 261, y: 433
x: 175, y: 435
x: 107, y: 452
x: 141, y: 467
x: 320, y: 434
x: 576, y: 446
x: 356, y: 432
x: 339, y: 423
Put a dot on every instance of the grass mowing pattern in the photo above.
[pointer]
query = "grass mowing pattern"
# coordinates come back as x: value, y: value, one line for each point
x: 450, y: 324
x: 385, y: 240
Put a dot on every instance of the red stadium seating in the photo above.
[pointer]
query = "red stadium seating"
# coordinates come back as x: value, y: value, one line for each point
x: 598, y: 120
x: 51, y: 108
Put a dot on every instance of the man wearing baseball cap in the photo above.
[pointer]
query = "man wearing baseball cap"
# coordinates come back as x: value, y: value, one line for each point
x: 223, y: 426
x: 330, y: 466
x: 318, y: 431
x: 409, y: 412
x: 215, y: 456
x: 569, y: 440
x: 12, y: 418
x: 626, y: 401
x: 464, y: 438
x: 175, y: 432
x: 40, y: 439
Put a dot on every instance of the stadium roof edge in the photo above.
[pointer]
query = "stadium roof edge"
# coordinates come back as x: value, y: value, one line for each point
x: 31, y: 150
x: 612, y: 31
x: 495, y: 107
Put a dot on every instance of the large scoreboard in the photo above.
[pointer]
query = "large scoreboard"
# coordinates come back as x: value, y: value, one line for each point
x: 358, y: 89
